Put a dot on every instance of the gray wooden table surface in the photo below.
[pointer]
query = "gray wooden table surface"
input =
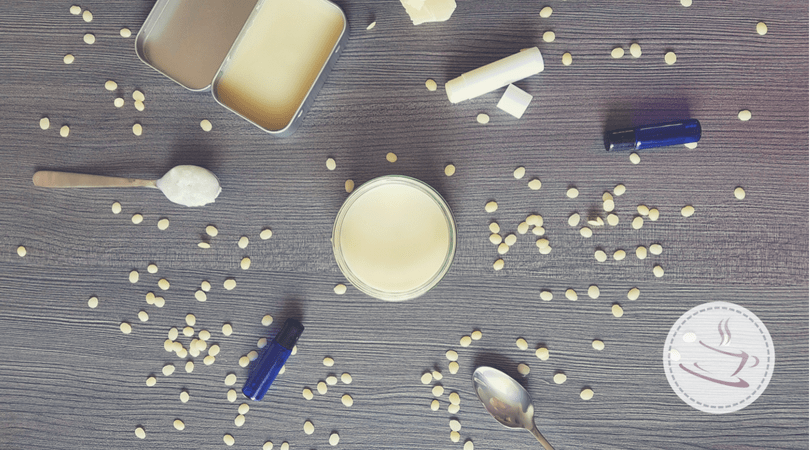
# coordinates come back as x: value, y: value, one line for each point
x: 70, y: 379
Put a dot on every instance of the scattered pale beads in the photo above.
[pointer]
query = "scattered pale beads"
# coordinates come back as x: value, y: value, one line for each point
x: 87, y: 16
x: 541, y: 353
x: 587, y: 394
x: 670, y: 58
x: 64, y: 131
x: 89, y: 38
x: 229, y: 284
x: 164, y: 284
x: 228, y: 439
x: 455, y: 425
x: 521, y: 344
x: 331, y: 164
x: 267, y: 319
x: 244, y: 264
x: 453, y: 367
x: 546, y: 12
x: 92, y: 302
x: 205, y: 124
x: 654, y: 214
x: 567, y: 59
x: 346, y: 378
x: 230, y: 379
x: 184, y: 397
x: 519, y: 173
x: 739, y: 193
x: 437, y: 390
x: 371, y: 25
x: 573, y: 220
x: 633, y: 294
x: 189, y: 366
x: 691, y: 145
x: 744, y: 115
x: 656, y: 249
x: 571, y: 294
x: 600, y: 255
x: 498, y: 264
x: 687, y: 210
x: 494, y: 227
x: 586, y: 232
x: 143, y: 316
x: 239, y: 420
x: 635, y: 50
x: 549, y: 36
x: 179, y: 425
x: 560, y: 378
x: 465, y: 341
x: 231, y: 396
x: 68, y: 59
x: 137, y: 129
x: 634, y: 158
x: 140, y: 433
x: 227, y: 329
x: 451, y: 355
x: 267, y: 233
x: 617, y: 310
x: 44, y: 123
x: 349, y: 186
x: 391, y: 157
x: 347, y: 400
x: 598, y: 345
x: 617, y: 52
x: 125, y: 32
x: 476, y: 335
x: 334, y: 438
x: 307, y: 393
x: 523, y: 369
x: 658, y: 271
x: 75, y: 10
x: 612, y: 220
x: 535, y: 184
x: 572, y: 192
x: 593, y: 291
x: 482, y: 118
x: 21, y: 251
x: 638, y: 222
x: 137, y: 218
x: 151, y: 381
x: 641, y: 252
x: 449, y: 170
x: 321, y: 387
x: 546, y: 295
x: 762, y: 28
x: 619, y: 255
x: 430, y: 84
x: 125, y: 328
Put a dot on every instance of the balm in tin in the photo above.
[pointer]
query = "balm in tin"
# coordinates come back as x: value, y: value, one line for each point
x: 264, y: 60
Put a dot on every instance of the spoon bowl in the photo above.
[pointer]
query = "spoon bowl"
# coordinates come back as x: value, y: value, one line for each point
x: 506, y: 400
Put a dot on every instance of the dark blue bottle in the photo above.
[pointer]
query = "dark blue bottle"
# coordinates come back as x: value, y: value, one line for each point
x: 265, y: 371
x: 650, y: 136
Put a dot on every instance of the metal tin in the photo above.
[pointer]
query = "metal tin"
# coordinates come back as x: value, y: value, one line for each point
x: 211, y: 45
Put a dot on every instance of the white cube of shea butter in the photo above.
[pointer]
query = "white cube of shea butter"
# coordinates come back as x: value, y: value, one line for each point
x: 429, y: 11
x: 515, y: 101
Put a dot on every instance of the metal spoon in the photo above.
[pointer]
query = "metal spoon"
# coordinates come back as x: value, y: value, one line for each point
x: 506, y: 400
x: 184, y: 184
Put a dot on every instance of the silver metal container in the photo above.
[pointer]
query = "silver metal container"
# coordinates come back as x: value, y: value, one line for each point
x: 264, y: 60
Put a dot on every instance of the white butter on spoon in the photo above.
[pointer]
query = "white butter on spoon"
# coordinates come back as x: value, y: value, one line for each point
x: 185, y: 184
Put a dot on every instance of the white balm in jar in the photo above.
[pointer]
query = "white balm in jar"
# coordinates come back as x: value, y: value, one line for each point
x: 394, y: 238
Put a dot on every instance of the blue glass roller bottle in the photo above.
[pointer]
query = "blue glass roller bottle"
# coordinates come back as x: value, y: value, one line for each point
x: 266, y: 369
x: 650, y: 136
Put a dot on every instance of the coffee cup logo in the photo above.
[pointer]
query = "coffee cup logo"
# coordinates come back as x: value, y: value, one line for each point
x: 718, y: 357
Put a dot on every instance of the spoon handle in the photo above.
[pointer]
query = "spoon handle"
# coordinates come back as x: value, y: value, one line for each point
x: 540, y: 438
x: 51, y: 179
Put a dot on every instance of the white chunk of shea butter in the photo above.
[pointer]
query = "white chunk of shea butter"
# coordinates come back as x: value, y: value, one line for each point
x: 421, y: 11
x: 498, y: 74
x: 515, y: 101
x: 190, y: 185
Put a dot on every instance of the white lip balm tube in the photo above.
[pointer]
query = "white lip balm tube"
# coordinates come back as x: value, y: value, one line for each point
x: 495, y: 75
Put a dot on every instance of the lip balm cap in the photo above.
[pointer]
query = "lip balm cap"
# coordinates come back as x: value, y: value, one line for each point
x: 289, y: 333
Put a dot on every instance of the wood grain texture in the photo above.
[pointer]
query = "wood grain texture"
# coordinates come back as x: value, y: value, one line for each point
x: 70, y: 379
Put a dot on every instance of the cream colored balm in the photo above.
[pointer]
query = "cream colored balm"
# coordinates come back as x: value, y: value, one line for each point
x: 394, y: 238
x: 277, y: 60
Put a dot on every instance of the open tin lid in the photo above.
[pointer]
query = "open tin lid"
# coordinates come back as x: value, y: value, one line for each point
x: 187, y: 40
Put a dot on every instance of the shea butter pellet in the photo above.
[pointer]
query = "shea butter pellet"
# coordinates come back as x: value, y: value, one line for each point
x: 189, y: 366
x: 476, y: 335
x: 347, y: 400
x: 227, y: 329
x: 179, y: 425
x: 164, y: 284
x: 641, y: 252
x: 200, y: 295
x: 437, y: 390
x: 739, y: 193
x: 239, y: 420
x: 619, y: 255
x: 598, y: 345
x: 137, y: 218
x: 331, y: 164
x: 125, y: 328
x: 633, y: 294
x: 451, y: 355
x: 617, y: 52
x: 617, y: 310
x: 593, y: 291
x: 230, y: 379
x: 434, y: 405
x: 168, y: 369
x: 430, y: 84
x: 587, y: 394
x: 494, y: 228
x: 453, y: 367
x: 691, y: 145
x: 455, y: 425
x: 567, y: 59
x: 143, y: 316
x: 635, y: 50
x: 541, y: 353
x: 634, y: 158
x: 573, y: 220
x: 391, y: 157
x: 572, y: 193
x: 495, y: 239
x: 331, y: 380
x: 465, y: 341
x: 638, y: 222
x: 545, y: 13
x: 137, y: 129
x: 503, y: 248
x: 89, y: 38
x: 231, y: 396
x: 64, y: 131
x: 334, y: 438
x: 654, y: 213
x: 449, y: 170
x: 762, y: 29
x: 549, y: 36
x: 608, y: 205
x: 482, y: 118
x: 266, y: 234
x: 328, y: 362
x: 228, y: 439
x: 546, y: 296
x: 87, y: 16
x: 307, y: 393
x: 519, y: 173
x: 656, y: 249
x: 184, y: 397
x: 521, y: 344
x: 427, y: 377
x: 125, y: 32
x: 670, y: 58
x: 92, y: 302
x: 491, y: 207
x: 498, y: 264
x: 21, y: 251
x: 586, y: 232
x: 454, y: 436
x: 346, y: 378
x: 208, y: 360
x: 68, y: 59
x: 229, y: 284
x: 214, y: 350
x: 138, y: 96
x: 339, y: 289
x: 571, y: 294
x: 560, y: 378
x: 267, y: 319
x: 348, y: 186
x: 140, y: 433
x: 658, y: 271
x: 687, y: 210
x: 244, y: 264
x: 612, y: 220
x: 321, y: 387
x: 151, y: 381
x: 523, y: 369
x: 75, y: 10
x: 44, y: 123
x: 535, y: 184
x: 600, y: 256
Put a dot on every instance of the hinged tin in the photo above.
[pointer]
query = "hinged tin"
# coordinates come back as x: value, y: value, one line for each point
x: 264, y: 60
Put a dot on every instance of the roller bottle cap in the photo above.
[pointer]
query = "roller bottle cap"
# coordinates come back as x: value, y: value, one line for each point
x: 290, y: 333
